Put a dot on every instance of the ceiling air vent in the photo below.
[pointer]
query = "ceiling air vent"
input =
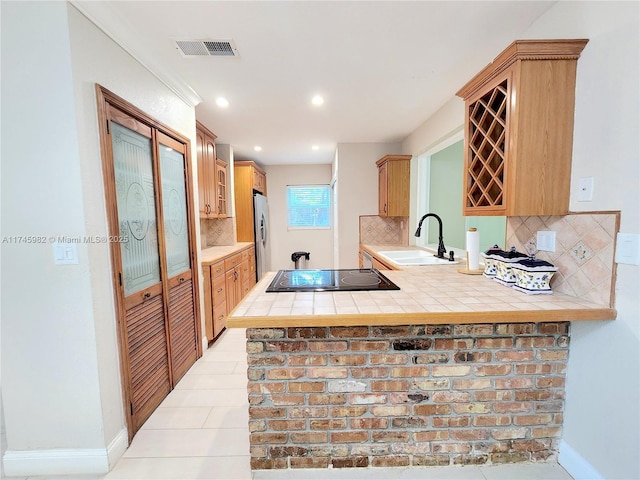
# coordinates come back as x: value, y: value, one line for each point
x: 207, y: 48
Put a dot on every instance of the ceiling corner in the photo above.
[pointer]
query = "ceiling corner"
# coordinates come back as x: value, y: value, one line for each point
x: 103, y: 16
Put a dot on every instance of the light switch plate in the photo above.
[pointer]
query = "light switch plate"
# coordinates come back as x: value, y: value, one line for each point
x: 628, y: 248
x: 585, y: 189
x: 65, y: 253
x: 546, y: 240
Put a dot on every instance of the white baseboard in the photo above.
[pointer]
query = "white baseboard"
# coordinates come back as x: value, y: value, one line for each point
x: 575, y: 464
x: 64, y: 461
x: 117, y: 447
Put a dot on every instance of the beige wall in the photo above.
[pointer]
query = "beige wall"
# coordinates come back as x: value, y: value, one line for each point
x: 49, y: 364
x: 319, y: 243
x: 357, y: 178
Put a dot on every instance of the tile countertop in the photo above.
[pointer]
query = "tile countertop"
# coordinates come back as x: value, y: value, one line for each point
x: 435, y: 294
x: 213, y: 254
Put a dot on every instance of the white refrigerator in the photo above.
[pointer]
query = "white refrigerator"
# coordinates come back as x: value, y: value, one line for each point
x: 263, y: 248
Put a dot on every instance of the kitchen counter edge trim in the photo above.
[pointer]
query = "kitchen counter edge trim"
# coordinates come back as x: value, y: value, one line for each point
x: 422, y: 318
x: 211, y: 255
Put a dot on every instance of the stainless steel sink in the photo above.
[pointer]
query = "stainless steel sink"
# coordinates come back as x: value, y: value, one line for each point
x: 414, y: 257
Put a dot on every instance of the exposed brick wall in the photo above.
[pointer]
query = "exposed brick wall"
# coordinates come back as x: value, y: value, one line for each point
x: 406, y: 395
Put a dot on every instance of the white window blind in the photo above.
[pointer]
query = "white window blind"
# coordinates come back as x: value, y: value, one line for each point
x: 308, y: 206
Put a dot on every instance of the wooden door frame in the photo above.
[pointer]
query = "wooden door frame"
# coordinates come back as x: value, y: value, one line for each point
x: 105, y: 97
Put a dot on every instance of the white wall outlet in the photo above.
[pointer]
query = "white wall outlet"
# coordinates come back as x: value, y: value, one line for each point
x: 628, y: 248
x: 585, y: 189
x: 65, y: 253
x: 546, y: 240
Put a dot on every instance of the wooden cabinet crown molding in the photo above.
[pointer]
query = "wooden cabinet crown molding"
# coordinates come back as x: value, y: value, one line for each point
x: 200, y: 126
x: 249, y: 163
x: 565, y: 49
x: 391, y: 158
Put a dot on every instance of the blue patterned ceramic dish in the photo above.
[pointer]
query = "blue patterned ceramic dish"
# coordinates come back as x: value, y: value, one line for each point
x: 533, y: 276
x: 490, y: 267
x: 503, y: 262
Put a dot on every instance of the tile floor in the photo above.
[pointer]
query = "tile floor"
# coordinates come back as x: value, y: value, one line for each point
x: 200, y: 432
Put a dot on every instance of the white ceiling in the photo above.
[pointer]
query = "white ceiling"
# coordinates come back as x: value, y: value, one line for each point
x: 383, y: 67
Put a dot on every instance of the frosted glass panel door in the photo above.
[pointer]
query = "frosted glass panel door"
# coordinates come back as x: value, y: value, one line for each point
x: 135, y: 192
x: 183, y: 336
x: 174, y: 205
x: 147, y: 184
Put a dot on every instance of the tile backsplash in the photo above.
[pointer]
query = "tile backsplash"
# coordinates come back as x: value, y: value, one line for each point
x: 217, y: 231
x: 375, y: 230
x: 585, y: 247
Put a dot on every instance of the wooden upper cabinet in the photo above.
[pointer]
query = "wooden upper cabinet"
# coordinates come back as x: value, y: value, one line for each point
x: 393, y: 185
x: 203, y: 198
x: 259, y: 180
x: 519, y: 130
x: 221, y: 188
x: 212, y: 176
x: 248, y: 178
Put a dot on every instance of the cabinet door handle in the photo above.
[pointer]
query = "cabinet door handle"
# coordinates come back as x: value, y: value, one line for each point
x: 147, y: 295
x: 181, y: 279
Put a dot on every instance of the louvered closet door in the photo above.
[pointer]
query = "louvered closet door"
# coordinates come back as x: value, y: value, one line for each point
x: 144, y: 334
x: 182, y: 319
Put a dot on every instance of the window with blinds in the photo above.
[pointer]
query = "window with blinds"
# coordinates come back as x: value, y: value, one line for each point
x: 308, y: 206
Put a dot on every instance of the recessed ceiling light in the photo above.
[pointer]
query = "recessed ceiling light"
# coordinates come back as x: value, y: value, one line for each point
x: 317, y: 100
x: 257, y: 148
x: 222, y: 102
x: 315, y: 147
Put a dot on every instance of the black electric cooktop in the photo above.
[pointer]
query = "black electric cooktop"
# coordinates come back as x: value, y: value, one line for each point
x: 330, y: 281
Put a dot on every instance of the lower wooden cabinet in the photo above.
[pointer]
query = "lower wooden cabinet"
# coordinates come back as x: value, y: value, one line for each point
x: 248, y: 266
x: 215, y: 296
x: 376, y: 262
x: 226, y: 282
x: 234, y: 287
x: 378, y: 265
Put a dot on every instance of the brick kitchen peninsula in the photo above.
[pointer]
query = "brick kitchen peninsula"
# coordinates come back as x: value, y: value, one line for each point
x: 449, y: 370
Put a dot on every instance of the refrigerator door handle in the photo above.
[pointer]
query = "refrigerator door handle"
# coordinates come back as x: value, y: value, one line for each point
x: 263, y: 231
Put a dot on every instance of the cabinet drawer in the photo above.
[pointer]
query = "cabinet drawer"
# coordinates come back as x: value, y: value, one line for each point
x: 219, y: 318
x: 220, y: 312
x: 219, y: 292
x: 232, y: 261
x: 217, y: 269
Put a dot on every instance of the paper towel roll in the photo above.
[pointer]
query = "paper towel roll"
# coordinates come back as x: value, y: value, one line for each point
x: 473, y: 249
